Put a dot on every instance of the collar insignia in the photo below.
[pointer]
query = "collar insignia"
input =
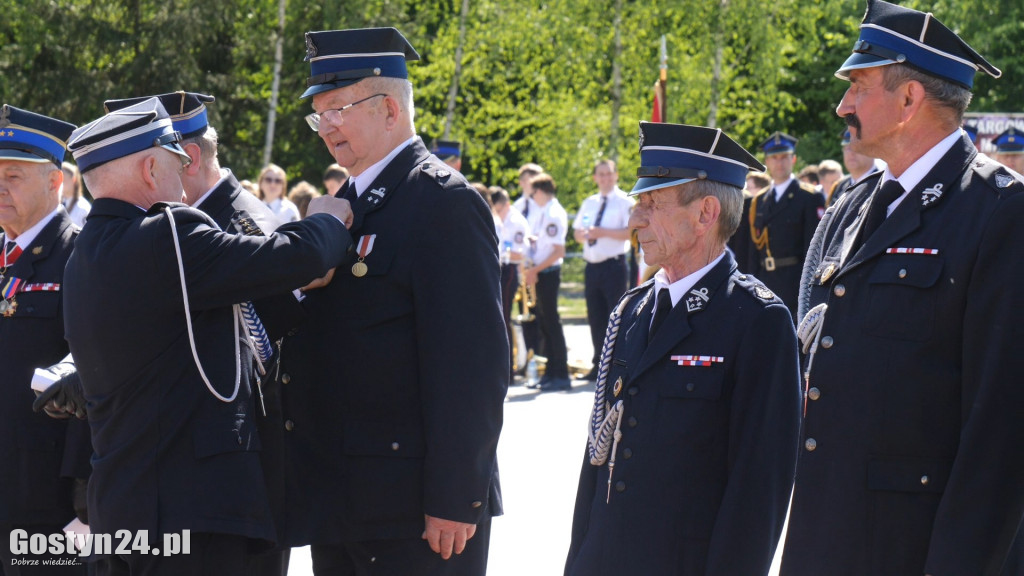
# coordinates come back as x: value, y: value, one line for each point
x: 931, y: 194
x: 1004, y: 180
x: 697, y: 300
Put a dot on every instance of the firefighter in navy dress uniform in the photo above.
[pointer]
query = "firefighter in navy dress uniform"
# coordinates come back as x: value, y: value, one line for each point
x: 216, y: 191
x: 781, y: 220
x: 42, y: 456
x: 394, y: 386
x: 910, y: 459
x: 693, y: 437
x: 153, y: 312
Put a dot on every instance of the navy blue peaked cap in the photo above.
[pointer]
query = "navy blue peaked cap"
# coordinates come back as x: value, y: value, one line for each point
x: 338, y: 58
x: 32, y: 137
x: 891, y: 34
x: 446, y: 149
x: 779, y: 143
x: 123, y: 132
x: 187, y: 110
x: 1011, y: 141
x: 673, y: 154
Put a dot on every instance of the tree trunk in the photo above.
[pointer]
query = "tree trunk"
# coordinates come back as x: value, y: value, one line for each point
x: 454, y: 91
x: 613, y: 140
x: 268, y: 145
x: 716, y: 67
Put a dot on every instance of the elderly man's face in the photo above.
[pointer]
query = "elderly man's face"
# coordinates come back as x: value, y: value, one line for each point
x: 871, y: 112
x: 28, y: 192
x: 665, y: 229
x: 352, y: 141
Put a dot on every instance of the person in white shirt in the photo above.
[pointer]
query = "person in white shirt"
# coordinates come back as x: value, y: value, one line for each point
x: 602, y: 229
x: 512, y: 246
x: 71, y: 199
x: 550, y: 227
x: 273, y: 182
x: 525, y: 204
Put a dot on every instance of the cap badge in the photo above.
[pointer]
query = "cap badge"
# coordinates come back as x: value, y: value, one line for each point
x: 697, y: 299
x: 310, y: 48
x: 931, y: 194
x: 4, y: 120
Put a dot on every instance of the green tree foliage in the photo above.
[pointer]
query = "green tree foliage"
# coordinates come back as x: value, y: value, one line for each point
x: 536, y: 74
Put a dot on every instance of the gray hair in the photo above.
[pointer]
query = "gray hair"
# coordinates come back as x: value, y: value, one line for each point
x: 398, y: 88
x: 729, y: 197
x: 943, y: 93
x: 207, y: 142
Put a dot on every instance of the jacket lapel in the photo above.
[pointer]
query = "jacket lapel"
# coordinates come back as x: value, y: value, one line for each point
x: 383, y: 187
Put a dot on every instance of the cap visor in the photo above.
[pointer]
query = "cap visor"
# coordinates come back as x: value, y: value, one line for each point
x: 651, y: 184
x: 23, y: 155
x: 177, y: 149
x: 857, y: 61
x: 313, y: 90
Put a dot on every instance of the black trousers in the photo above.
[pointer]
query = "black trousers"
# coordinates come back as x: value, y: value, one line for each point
x: 407, y: 557
x: 509, y: 285
x: 603, y: 284
x: 550, y: 323
x: 210, y: 555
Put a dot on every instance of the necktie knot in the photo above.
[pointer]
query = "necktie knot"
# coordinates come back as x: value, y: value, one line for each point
x: 11, y: 253
x: 886, y: 194
x: 662, y: 307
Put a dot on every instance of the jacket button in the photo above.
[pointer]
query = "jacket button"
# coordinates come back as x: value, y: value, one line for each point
x: 627, y: 453
x: 289, y: 425
x: 903, y: 273
x: 839, y: 290
x: 690, y: 386
x: 631, y: 422
x: 632, y: 390
x: 476, y: 504
x: 814, y: 393
x: 827, y: 342
x: 924, y: 480
x: 285, y: 378
x: 395, y: 446
x: 620, y: 486
x: 810, y: 444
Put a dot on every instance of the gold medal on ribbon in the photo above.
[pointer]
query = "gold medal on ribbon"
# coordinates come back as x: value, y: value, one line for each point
x: 363, y: 248
x: 8, y: 307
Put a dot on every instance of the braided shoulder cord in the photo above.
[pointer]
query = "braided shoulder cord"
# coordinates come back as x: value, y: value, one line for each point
x: 604, y: 418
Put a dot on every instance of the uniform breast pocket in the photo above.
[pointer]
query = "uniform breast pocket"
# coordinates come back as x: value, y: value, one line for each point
x: 694, y: 383
x: 42, y: 304
x: 688, y: 406
x: 902, y: 297
x: 375, y: 263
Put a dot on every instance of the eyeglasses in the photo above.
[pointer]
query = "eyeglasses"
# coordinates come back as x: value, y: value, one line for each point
x: 273, y: 180
x: 170, y: 142
x: 333, y: 116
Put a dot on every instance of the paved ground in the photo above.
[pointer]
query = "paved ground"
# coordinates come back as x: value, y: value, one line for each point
x: 540, y: 454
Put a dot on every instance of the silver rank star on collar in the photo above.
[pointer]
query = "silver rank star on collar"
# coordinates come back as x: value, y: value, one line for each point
x: 697, y: 299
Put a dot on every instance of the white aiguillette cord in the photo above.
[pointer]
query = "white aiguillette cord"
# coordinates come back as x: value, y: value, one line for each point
x: 236, y: 309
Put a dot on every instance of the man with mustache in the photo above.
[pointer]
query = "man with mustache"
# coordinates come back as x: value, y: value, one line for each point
x: 910, y: 457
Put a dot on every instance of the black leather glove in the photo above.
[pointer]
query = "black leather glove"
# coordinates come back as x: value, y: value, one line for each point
x: 64, y: 397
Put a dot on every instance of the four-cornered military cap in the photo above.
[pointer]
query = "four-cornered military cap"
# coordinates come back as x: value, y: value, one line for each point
x: 673, y: 154
x: 891, y: 34
x: 1011, y: 141
x: 779, y: 143
x: 338, y: 58
x: 445, y: 149
x: 123, y: 132
x: 844, y: 138
x: 32, y: 137
x: 187, y: 110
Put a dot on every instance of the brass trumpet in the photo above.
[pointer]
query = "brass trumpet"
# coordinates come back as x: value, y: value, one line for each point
x: 526, y: 295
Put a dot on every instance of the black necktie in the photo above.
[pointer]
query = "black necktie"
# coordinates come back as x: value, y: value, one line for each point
x: 597, y: 222
x: 878, y: 209
x: 661, y: 309
x: 347, y: 191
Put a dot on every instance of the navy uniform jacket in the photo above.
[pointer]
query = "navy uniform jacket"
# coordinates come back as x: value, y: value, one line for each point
x: 39, y: 454
x: 790, y: 223
x: 394, y: 387
x: 237, y: 211
x: 914, y: 410
x: 705, y: 465
x: 168, y: 454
